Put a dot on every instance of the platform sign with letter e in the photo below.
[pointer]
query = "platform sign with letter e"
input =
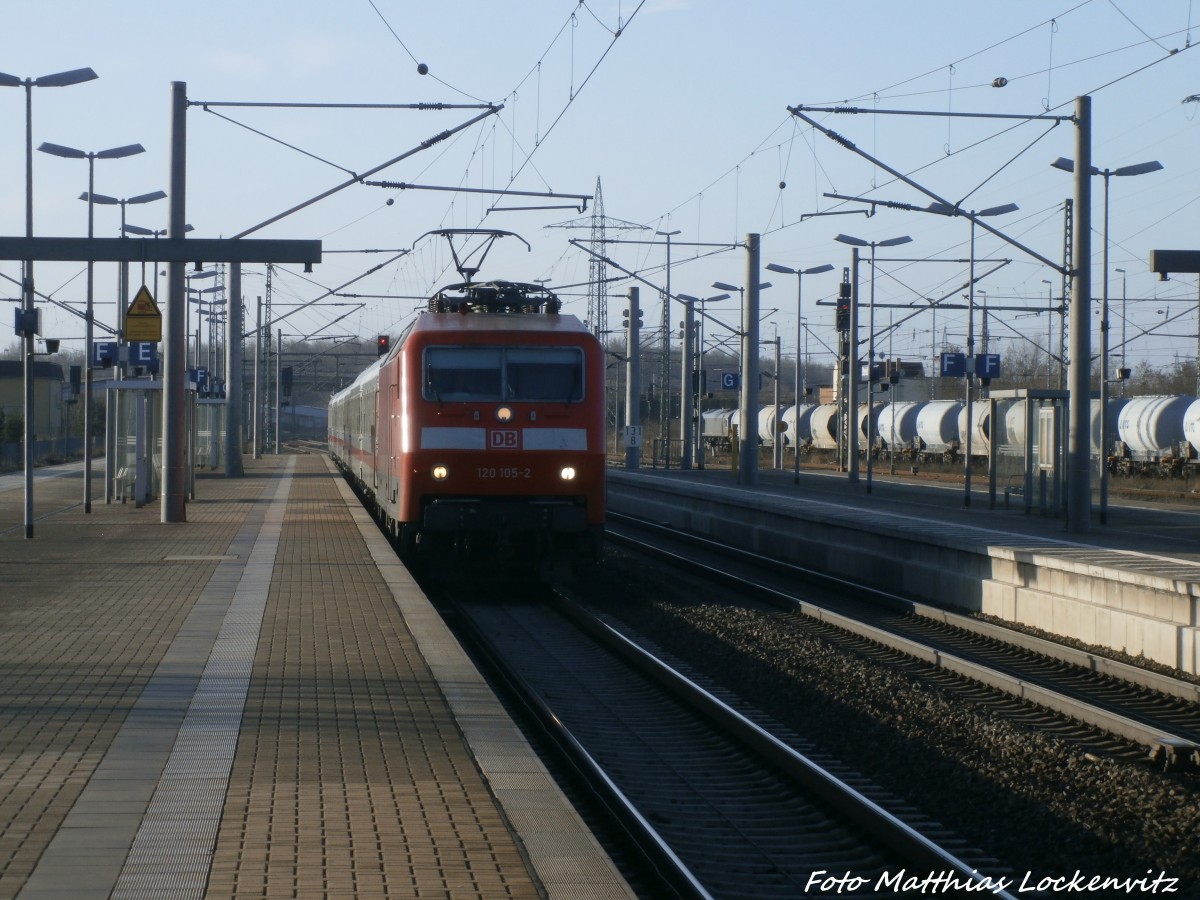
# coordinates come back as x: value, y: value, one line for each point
x: 143, y: 319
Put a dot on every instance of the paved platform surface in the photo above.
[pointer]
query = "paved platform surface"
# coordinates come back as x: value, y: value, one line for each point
x: 255, y: 703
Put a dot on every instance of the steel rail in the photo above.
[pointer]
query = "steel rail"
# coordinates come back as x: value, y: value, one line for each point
x: 1114, y: 723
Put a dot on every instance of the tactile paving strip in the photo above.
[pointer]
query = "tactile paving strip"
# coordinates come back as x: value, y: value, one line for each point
x: 107, y: 653
x: 173, y: 847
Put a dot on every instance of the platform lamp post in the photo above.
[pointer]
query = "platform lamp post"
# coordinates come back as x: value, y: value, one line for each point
x: 859, y: 242
x: 1049, y: 326
x: 664, y: 398
x: 195, y: 295
x: 1124, y: 371
x: 189, y: 291
x: 944, y: 209
x: 748, y: 420
x: 150, y: 232
x: 776, y: 439
x: 799, y: 273
x: 122, y: 299
x: 89, y: 316
x: 722, y: 286
x: 28, y: 312
x: 1068, y: 165
x: 105, y: 200
x: 698, y: 433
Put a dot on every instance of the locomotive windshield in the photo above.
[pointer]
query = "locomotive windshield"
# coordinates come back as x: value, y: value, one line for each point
x: 508, y: 374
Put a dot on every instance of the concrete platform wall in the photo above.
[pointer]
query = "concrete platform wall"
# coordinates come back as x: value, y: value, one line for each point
x: 1067, y: 589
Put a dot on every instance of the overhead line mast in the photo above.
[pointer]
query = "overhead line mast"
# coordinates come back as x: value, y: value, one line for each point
x: 597, y: 297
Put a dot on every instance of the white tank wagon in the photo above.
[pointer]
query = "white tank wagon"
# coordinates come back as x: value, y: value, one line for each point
x: 1009, y: 429
x: 714, y: 428
x: 1012, y: 440
x: 1191, y: 427
x: 1151, y: 435
x: 1156, y: 434
x: 937, y: 427
x: 897, y: 424
x: 798, y: 420
x: 981, y: 427
x: 766, y: 425
x: 823, y: 423
x: 1115, y: 405
x: 872, y: 410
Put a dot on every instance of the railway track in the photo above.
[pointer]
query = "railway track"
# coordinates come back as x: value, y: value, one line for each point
x: 1153, y: 710
x: 727, y: 808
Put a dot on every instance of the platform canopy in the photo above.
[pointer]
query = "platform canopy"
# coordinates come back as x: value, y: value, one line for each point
x: 1164, y: 262
x: 193, y: 250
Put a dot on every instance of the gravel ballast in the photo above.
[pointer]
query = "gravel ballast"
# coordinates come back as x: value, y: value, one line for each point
x: 1042, y: 805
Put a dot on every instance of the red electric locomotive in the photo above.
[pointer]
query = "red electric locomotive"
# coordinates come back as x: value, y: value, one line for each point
x: 480, y: 435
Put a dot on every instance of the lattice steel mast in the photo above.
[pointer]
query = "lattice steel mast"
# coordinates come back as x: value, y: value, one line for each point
x: 598, y: 223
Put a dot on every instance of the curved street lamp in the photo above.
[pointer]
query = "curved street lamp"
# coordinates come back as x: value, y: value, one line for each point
x: 89, y: 318
x: 859, y: 242
x: 1139, y: 168
x: 944, y: 209
x: 799, y: 273
x: 664, y: 411
x: 1068, y: 165
x: 699, y: 356
x: 58, y: 79
x: 723, y: 286
x: 748, y: 366
x: 149, y: 232
x: 123, y: 271
x: 195, y: 276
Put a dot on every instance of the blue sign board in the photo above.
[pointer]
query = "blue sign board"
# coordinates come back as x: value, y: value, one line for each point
x: 730, y: 381
x: 987, y: 365
x: 144, y: 355
x: 954, y: 365
x: 104, y: 354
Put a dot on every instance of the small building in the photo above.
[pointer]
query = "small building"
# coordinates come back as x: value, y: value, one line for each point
x: 48, y: 408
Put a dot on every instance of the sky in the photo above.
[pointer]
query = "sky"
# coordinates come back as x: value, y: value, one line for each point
x: 677, y: 108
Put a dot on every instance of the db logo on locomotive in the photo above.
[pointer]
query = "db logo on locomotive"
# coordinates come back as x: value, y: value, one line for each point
x: 503, y: 439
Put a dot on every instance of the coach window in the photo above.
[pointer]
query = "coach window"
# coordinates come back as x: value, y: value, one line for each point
x: 462, y: 373
x: 552, y: 374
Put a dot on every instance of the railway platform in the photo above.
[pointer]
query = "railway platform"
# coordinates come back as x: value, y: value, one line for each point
x: 258, y: 702
x: 1131, y: 584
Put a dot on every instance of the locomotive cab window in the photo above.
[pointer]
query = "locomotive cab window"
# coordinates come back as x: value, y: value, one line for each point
x: 462, y: 373
x: 544, y: 373
x: 510, y: 374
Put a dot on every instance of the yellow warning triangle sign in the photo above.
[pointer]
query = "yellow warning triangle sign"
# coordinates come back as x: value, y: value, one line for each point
x: 143, y: 304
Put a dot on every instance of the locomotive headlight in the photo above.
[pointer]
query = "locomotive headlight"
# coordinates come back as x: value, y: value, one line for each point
x: 567, y: 473
x: 439, y: 473
x: 504, y: 414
